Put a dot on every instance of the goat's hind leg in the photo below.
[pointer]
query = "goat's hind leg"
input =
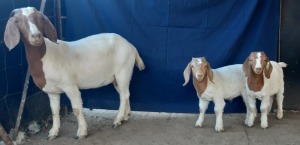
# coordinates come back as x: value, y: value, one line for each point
x: 75, y: 97
x: 127, y: 106
x: 55, y: 107
x: 123, y: 80
x: 279, y: 99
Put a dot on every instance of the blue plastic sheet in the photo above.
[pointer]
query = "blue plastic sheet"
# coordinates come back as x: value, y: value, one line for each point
x: 167, y: 34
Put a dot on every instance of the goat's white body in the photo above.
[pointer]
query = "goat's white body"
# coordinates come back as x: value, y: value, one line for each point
x: 228, y: 83
x: 272, y: 86
x: 91, y: 62
x: 88, y: 63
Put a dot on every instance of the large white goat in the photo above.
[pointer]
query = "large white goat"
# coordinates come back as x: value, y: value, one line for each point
x: 215, y: 85
x: 60, y: 66
x: 264, y: 79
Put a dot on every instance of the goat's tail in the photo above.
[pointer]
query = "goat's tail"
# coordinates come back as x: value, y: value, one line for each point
x: 282, y: 64
x: 138, y: 60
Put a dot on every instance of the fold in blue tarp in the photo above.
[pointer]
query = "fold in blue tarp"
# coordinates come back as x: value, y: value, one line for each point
x: 167, y: 34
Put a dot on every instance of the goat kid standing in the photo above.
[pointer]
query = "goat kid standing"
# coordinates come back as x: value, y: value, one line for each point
x: 215, y: 85
x: 65, y: 67
x: 264, y: 78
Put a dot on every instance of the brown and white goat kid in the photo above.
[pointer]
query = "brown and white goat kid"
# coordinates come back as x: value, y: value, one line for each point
x: 65, y: 67
x: 214, y: 85
x: 264, y: 78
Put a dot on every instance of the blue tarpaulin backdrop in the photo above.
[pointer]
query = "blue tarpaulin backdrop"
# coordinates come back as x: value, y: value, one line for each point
x: 167, y: 34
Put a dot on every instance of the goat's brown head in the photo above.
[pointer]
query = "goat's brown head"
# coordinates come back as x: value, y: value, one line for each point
x: 200, y: 69
x: 258, y: 63
x: 30, y: 25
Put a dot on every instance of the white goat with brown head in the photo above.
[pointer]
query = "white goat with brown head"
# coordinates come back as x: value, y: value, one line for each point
x: 214, y: 85
x: 65, y: 67
x: 264, y: 78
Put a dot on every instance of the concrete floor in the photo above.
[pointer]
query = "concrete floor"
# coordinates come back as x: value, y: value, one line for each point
x: 148, y: 128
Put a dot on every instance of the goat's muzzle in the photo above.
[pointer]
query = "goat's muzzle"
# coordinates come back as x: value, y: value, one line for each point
x: 199, y: 77
x: 258, y: 70
x: 36, y: 39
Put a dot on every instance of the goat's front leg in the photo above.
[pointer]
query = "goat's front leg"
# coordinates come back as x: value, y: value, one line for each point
x: 251, y: 104
x: 245, y: 98
x: 219, y: 108
x: 264, y: 109
x: 55, y: 107
x: 202, y: 108
x: 75, y: 97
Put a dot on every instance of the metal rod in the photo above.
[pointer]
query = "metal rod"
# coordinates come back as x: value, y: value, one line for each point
x: 279, y: 32
x: 59, y: 18
x: 25, y: 88
x: 4, y: 136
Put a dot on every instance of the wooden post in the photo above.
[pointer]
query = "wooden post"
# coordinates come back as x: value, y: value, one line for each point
x: 4, y: 136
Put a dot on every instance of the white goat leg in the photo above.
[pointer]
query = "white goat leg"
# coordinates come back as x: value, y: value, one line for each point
x: 124, y: 96
x: 55, y: 107
x: 279, y: 99
x: 75, y: 97
x: 252, y: 111
x: 127, y: 106
x: 245, y: 98
x: 270, y: 104
x: 203, y: 104
x: 219, y: 107
x: 265, y: 103
x: 127, y: 111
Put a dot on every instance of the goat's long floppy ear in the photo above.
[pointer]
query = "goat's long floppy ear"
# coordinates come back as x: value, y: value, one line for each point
x: 11, y: 34
x: 186, y: 74
x: 49, y: 30
x: 268, y: 70
x: 246, y: 67
x: 210, y: 73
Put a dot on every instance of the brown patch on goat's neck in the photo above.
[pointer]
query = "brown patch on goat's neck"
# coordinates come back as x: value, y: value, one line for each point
x: 255, y: 81
x: 200, y: 86
x: 34, y: 54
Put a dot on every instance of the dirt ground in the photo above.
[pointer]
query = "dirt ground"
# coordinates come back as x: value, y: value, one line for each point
x: 149, y: 128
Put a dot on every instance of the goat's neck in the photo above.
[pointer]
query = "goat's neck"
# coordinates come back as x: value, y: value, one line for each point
x: 34, y: 54
x: 200, y: 86
x: 255, y: 81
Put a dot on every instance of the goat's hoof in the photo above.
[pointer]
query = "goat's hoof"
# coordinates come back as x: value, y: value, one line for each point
x: 279, y: 115
x: 51, y: 137
x: 219, y: 129
x: 126, y: 118
x: 116, y: 125
x: 81, y: 137
x: 249, y: 125
x: 198, y: 126
x: 264, y: 126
